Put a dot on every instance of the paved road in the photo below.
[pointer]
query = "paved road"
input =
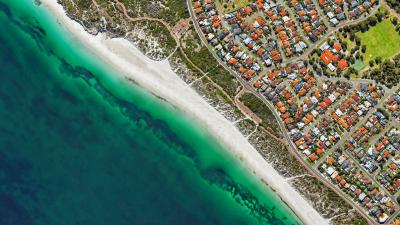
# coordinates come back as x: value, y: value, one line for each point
x: 251, y: 89
x: 323, y: 39
x: 332, y: 31
x: 363, y: 120
x: 291, y: 146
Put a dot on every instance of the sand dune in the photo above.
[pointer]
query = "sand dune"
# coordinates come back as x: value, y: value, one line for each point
x: 158, y: 77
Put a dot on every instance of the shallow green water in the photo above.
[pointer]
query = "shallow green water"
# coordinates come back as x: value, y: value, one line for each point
x: 79, y: 145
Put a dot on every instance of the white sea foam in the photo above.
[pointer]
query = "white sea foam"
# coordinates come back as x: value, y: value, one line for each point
x: 158, y: 77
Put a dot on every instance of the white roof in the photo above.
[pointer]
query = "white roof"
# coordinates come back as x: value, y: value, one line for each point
x: 339, y: 112
x: 307, y: 152
x: 323, y: 138
x: 285, y: 19
x: 341, y: 159
x: 383, y: 218
x: 334, y: 21
x: 324, y: 46
x: 331, y: 67
x: 330, y: 170
x: 362, y: 196
x: 334, y: 174
x: 300, y: 125
x: 332, y: 97
x: 314, y: 100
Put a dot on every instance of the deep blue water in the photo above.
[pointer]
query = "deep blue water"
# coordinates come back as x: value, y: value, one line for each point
x: 79, y: 146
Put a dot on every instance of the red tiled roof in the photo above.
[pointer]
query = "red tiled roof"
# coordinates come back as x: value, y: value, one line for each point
x: 342, y: 64
x: 337, y: 46
x: 248, y: 10
x: 327, y: 56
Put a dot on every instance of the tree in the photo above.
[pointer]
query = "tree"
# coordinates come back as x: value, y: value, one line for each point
x: 358, y: 40
x: 395, y: 21
x: 352, y: 59
x: 363, y: 26
x: 315, y: 66
x: 379, y: 16
x: 330, y: 42
x: 372, y: 20
x: 344, y: 44
x: 378, y: 60
x: 352, y: 36
x: 371, y: 63
x: 363, y: 48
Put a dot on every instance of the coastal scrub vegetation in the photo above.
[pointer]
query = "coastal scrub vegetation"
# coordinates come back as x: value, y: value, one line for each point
x: 205, y: 87
x: 274, y: 152
x: 216, y: 98
x: 185, y: 70
x: 246, y: 126
x: 202, y: 58
x: 192, y: 61
x: 105, y: 16
x: 261, y: 110
x: 325, y: 201
x: 349, y: 218
x: 146, y: 35
x: 171, y: 11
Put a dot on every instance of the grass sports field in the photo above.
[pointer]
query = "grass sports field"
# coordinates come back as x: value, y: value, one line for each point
x: 381, y: 40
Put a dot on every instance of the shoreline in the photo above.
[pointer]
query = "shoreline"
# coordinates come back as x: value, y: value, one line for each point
x: 158, y: 78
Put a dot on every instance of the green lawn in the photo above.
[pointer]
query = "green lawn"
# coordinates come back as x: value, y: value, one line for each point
x: 381, y: 40
x: 232, y: 5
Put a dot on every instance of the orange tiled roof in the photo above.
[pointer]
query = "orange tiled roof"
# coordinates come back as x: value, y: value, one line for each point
x: 342, y: 64
x: 327, y: 56
x: 337, y: 46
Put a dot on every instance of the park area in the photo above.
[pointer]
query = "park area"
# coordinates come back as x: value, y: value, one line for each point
x: 228, y: 6
x: 381, y: 40
x: 358, y: 65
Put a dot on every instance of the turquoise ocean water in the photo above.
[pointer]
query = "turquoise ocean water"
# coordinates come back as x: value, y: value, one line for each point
x: 81, y: 146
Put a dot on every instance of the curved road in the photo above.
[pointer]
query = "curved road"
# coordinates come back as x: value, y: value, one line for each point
x: 292, y: 148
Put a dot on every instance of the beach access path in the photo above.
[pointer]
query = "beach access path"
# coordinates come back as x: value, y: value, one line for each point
x: 158, y: 78
x: 248, y: 86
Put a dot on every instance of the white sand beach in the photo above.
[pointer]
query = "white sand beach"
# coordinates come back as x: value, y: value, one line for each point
x: 159, y: 78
